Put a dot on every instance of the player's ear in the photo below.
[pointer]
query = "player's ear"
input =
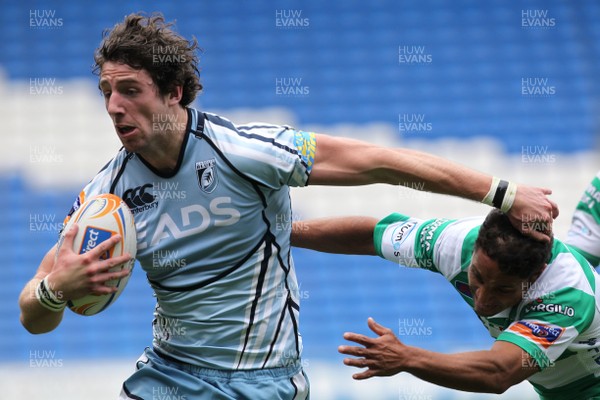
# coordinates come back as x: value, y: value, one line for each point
x: 175, y: 95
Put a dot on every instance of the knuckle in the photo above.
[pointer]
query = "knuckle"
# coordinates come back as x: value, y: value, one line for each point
x: 87, y: 258
x: 92, y: 272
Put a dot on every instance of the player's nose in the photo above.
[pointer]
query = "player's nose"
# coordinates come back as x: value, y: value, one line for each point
x: 114, y: 104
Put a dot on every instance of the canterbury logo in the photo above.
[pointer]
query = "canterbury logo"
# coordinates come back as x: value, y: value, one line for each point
x: 138, y: 196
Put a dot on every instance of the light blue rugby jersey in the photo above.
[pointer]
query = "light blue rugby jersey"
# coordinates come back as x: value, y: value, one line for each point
x: 214, y: 240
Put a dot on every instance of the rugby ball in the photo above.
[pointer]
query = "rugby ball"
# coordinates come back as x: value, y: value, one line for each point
x: 100, y: 218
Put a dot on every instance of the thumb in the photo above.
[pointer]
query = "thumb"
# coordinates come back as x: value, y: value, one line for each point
x: 69, y: 238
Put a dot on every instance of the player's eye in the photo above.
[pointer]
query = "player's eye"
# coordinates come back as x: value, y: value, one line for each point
x: 504, y: 290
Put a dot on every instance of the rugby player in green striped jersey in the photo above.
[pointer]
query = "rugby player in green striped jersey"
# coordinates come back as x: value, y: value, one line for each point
x: 538, y: 300
x: 584, y: 233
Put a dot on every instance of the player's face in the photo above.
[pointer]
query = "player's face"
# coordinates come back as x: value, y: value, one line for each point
x: 133, y: 102
x: 493, y: 291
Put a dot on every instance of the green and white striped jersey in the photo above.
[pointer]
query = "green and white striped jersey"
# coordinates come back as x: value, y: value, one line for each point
x: 558, y: 320
x: 584, y: 233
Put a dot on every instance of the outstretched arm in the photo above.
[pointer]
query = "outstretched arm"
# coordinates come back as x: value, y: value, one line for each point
x: 345, y: 235
x: 347, y: 162
x: 490, y: 371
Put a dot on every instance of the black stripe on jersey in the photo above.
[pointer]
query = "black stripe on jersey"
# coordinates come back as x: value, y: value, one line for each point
x: 290, y: 305
x: 279, y: 323
x: 295, y: 388
x: 286, y: 268
x: 264, y: 265
x: 294, y: 305
x: 214, y: 278
x: 307, y: 385
x: 200, y: 125
x: 215, y: 119
x: 128, y: 157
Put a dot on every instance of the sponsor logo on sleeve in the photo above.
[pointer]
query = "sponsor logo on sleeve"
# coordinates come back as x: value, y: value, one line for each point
x: 539, y: 333
x: 306, y: 145
x: 428, y: 233
x: 401, y: 232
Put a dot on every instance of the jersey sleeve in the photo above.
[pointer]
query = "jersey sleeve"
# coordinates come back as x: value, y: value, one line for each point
x: 584, y: 233
x: 272, y: 155
x: 557, y: 314
x: 439, y: 245
x: 100, y: 184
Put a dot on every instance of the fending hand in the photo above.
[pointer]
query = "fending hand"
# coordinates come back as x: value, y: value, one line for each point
x: 382, y: 355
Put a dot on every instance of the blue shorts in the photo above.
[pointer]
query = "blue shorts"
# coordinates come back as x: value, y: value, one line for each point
x: 157, y: 378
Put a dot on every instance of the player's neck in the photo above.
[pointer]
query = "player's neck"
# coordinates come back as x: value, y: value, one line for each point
x: 163, y: 154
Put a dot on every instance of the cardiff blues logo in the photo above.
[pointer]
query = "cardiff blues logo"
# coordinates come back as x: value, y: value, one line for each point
x: 206, y: 171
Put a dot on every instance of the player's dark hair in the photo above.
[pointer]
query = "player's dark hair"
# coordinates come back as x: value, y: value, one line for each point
x: 515, y: 253
x: 149, y: 43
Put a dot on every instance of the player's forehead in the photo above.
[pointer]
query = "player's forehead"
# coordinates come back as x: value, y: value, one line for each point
x: 113, y: 73
x: 487, y: 269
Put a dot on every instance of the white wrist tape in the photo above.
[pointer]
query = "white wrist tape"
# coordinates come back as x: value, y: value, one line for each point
x: 501, y: 194
x: 47, y: 298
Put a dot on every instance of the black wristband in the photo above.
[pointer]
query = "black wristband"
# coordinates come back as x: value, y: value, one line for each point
x: 500, y: 193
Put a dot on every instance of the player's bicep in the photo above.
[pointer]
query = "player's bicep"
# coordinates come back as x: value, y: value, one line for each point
x: 342, y: 161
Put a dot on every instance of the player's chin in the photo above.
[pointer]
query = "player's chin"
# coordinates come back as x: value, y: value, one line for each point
x: 486, y: 311
x: 132, y: 145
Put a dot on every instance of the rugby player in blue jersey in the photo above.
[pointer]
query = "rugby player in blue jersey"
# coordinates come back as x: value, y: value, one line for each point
x: 226, y: 319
